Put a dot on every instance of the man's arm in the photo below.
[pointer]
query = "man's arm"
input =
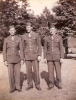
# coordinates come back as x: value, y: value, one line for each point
x: 23, y: 45
x: 5, y: 53
x: 61, y: 48
x: 21, y: 52
x: 39, y: 45
x: 4, y: 50
x: 39, y: 48
x: 45, y: 50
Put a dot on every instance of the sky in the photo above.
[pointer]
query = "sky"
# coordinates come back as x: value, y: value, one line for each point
x: 37, y: 6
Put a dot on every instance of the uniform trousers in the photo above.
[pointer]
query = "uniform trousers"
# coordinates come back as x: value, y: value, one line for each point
x: 51, y: 66
x: 35, y: 64
x: 14, y: 76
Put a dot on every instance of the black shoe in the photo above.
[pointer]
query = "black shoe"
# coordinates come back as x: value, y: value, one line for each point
x: 59, y: 87
x: 58, y: 84
x: 38, y: 88
x: 28, y: 88
x: 12, y: 91
x: 49, y: 88
x: 19, y: 90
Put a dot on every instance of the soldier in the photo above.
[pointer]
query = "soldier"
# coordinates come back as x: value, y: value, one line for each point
x: 53, y: 54
x: 13, y: 59
x: 32, y: 52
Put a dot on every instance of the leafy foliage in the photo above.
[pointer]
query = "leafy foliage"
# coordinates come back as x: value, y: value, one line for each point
x: 66, y: 17
x: 12, y: 14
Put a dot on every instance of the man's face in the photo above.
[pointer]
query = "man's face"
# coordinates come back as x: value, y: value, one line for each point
x: 28, y: 28
x: 52, y: 31
x: 12, y: 31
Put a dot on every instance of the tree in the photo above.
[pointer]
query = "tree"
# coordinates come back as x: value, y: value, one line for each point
x: 11, y: 13
x: 66, y: 17
x: 44, y: 22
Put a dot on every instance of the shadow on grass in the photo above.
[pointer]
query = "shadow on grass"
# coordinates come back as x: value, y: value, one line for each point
x: 45, y: 76
x: 23, y: 77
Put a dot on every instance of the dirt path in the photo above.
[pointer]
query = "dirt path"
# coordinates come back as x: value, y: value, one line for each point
x: 68, y: 81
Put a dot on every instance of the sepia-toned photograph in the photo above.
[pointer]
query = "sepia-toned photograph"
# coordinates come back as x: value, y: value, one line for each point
x: 37, y: 49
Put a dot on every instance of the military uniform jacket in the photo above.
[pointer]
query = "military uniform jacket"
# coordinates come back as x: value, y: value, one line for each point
x: 11, y: 50
x: 32, y: 46
x: 53, y: 48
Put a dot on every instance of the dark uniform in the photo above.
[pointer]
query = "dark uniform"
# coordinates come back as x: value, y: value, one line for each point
x: 32, y: 49
x: 13, y: 57
x: 53, y: 51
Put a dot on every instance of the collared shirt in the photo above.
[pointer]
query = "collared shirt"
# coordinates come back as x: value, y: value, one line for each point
x: 11, y: 49
x: 32, y: 45
x: 53, y: 48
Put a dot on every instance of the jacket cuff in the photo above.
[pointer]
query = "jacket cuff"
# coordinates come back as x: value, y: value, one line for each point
x: 5, y: 60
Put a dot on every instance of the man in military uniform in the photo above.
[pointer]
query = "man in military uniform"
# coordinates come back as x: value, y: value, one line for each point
x: 13, y: 59
x: 32, y: 52
x: 53, y: 54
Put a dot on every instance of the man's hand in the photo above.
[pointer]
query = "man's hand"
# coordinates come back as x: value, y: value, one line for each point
x: 45, y: 61
x: 61, y: 60
x: 5, y: 63
x: 22, y: 62
x: 39, y: 58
